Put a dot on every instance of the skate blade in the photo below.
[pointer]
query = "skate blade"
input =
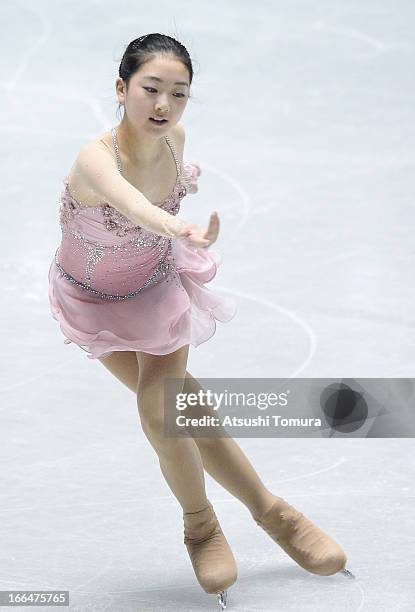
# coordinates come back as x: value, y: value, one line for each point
x: 222, y: 598
x: 348, y: 573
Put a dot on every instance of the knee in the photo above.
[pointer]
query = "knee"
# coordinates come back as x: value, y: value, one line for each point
x: 156, y: 422
x: 156, y: 407
x: 162, y: 433
x: 152, y: 417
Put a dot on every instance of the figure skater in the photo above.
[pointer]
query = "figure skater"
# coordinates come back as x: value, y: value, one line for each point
x: 127, y: 285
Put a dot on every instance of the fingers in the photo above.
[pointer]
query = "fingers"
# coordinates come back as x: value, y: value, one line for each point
x: 213, y: 229
x: 206, y: 237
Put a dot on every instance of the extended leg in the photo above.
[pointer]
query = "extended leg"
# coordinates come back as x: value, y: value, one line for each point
x: 222, y: 458
x: 182, y: 467
x: 301, y: 539
x: 179, y: 457
x: 225, y: 461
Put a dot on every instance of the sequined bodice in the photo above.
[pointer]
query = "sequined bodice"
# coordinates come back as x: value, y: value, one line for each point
x: 102, y: 250
x: 113, y: 220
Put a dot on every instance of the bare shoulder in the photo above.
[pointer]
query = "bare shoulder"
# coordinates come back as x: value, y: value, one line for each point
x: 102, y: 141
x: 104, y: 138
x: 179, y: 131
x: 178, y: 136
x: 93, y: 155
x: 95, y: 147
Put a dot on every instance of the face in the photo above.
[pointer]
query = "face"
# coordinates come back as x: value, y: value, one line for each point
x: 164, y: 96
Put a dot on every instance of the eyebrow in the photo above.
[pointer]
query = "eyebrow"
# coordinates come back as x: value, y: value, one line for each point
x: 154, y: 78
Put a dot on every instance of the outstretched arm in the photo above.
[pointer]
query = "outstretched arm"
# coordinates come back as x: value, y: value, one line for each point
x: 98, y: 171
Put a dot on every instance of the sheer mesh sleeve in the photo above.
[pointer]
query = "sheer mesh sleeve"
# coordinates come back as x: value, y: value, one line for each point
x: 97, y: 170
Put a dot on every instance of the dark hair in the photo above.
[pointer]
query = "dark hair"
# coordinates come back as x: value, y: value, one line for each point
x: 142, y: 49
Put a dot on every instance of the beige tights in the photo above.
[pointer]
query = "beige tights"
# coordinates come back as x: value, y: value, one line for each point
x: 179, y: 458
x: 225, y: 461
x: 182, y: 459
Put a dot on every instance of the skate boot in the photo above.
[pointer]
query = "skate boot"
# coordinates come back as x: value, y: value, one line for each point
x: 303, y: 541
x: 209, y: 552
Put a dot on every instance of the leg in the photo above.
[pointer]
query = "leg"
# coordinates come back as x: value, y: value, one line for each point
x: 222, y: 458
x: 181, y: 464
x: 225, y: 461
x: 179, y: 457
x: 124, y: 366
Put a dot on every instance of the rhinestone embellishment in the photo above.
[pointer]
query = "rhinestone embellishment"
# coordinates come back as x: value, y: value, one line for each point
x: 163, y: 269
x: 121, y: 226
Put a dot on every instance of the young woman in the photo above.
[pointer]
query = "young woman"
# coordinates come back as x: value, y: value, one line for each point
x: 127, y: 284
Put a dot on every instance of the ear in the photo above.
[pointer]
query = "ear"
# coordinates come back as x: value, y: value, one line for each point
x: 120, y: 89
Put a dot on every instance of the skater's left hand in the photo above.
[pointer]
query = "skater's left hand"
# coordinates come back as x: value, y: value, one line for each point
x: 198, y: 236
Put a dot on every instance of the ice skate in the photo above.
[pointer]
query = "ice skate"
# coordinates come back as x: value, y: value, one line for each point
x: 303, y: 541
x: 212, y: 559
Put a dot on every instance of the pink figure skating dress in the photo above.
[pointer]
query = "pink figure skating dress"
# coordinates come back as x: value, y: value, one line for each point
x: 115, y: 286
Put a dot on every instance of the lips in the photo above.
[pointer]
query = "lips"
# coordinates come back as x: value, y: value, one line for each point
x: 159, y: 119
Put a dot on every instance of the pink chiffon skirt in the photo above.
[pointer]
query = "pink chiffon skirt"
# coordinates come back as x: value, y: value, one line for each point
x: 177, y: 311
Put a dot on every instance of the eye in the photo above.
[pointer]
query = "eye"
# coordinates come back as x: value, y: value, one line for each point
x: 178, y: 95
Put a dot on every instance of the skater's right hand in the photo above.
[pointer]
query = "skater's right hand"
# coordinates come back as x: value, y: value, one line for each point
x: 199, y: 236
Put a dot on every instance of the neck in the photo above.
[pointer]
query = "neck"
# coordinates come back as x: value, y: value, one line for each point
x: 139, y: 147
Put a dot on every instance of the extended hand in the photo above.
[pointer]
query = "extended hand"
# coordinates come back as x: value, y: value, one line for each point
x: 199, y: 236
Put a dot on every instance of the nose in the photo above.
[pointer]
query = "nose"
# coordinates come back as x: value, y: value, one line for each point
x: 161, y: 106
x: 161, y: 110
